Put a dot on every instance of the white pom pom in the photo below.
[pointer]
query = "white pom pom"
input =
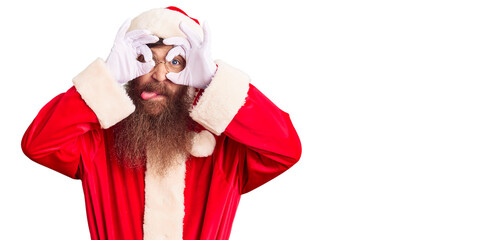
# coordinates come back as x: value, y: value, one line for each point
x: 203, y: 144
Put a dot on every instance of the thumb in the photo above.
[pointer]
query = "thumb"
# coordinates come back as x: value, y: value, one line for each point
x: 175, y: 77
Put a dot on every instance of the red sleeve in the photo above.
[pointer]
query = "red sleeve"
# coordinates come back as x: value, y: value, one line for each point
x: 62, y: 130
x: 271, y: 144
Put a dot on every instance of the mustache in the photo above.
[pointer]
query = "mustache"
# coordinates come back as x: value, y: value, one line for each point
x: 159, y: 88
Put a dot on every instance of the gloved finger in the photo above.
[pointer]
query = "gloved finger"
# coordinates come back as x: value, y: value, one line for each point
x: 145, y: 67
x: 177, y: 41
x: 122, y: 30
x: 206, y: 35
x: 175, y: 52
x: 135, y: 34
x: 145, y: 40
x: 146, y: 52
x: 192, y: 36
x: 175, y: 77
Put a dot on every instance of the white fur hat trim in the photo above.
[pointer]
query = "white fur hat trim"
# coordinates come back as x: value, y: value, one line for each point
x: 164, y: 23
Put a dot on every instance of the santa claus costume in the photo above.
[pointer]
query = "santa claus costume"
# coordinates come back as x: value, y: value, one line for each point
x: 245, y: 141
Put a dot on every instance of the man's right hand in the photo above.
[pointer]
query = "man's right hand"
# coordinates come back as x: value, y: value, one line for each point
x: 122, y: 61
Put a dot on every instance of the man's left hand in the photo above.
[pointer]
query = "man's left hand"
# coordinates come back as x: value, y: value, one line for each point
x: 199, y: 67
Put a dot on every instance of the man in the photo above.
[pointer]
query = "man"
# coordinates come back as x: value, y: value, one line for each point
x: 168, y: 155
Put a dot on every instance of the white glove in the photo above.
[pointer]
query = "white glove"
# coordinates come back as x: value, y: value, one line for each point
x: 199, y: 67
x: 127, y: 47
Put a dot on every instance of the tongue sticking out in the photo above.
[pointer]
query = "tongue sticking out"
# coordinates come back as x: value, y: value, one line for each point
x: 148, y: 95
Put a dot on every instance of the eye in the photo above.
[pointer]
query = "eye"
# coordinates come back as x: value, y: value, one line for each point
x: 175, y: 62
x: 140, y: 59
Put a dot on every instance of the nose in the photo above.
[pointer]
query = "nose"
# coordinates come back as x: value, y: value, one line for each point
x: 159, y: 72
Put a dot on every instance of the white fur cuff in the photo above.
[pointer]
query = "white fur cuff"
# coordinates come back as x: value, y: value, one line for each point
x: 103, y: 94
x: 222, y: 99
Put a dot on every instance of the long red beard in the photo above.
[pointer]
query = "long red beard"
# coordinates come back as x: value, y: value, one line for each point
x: 167, y: 134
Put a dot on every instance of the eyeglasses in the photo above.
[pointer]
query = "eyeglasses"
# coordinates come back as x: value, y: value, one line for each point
x: 174, y: 65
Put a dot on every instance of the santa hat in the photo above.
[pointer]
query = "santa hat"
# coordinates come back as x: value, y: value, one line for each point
x: 165, y: 22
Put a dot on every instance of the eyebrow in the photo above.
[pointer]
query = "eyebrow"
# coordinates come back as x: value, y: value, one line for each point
x: 177, y: 56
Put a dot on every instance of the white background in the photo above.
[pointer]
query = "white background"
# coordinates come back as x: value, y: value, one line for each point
x: 398, y: 105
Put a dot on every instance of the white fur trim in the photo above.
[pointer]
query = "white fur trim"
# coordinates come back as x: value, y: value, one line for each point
x: 103, y: 94
x: 164, y: 203
x: 203, y: 144
x: 164, y: 23
x: 222, y: 99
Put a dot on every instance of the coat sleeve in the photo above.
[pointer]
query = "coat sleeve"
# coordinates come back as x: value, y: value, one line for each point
x: 68, y: 128
x: 267, y: 141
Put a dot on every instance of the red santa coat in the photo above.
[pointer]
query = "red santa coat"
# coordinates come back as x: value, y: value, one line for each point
x: 252, y: 141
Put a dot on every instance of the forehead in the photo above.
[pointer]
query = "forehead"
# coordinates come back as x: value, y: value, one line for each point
x: 161, y: 50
